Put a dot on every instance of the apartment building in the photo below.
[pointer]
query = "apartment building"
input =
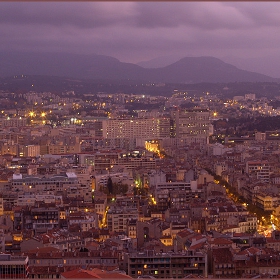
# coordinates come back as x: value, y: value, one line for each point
x: 143, y: 128
x: 10, y: 148
x: 33, y: 184
x: 13, y: 122
x: 259, y: 169
x: 100, y: 205
x: 190, y: 123
x: 61, y: 149
x: 167, y: 265
x: 240, y: 224
x: 176, y: 194
x: 30, y: 199
x: 29, y: 151
x: 1, y: 205
x: 2, y: 240
x: 85, y: 221
x: 223, y: 265
x: 44, y: 218
x: 49, y: 259
x: 267, y: 202
x: 13, y: 267
x: 118, y: 218
x: 105, y: 160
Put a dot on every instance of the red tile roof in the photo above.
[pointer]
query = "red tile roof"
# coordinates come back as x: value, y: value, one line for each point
x: 93, y: 274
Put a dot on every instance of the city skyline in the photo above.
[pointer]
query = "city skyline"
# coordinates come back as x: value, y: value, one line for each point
x: 242, y: 33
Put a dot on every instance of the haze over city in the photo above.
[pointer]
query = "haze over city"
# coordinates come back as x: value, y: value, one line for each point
x: 244, y: 34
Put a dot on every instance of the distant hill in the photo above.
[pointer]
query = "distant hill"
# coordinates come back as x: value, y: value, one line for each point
x: 159, y: 62
x: 187, y: 70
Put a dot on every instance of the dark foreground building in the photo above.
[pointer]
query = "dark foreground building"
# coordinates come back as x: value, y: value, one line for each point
x: 13, y: 267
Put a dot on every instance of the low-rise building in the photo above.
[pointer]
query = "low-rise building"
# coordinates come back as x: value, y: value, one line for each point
x: 13, y: 267
x: 167, y: 265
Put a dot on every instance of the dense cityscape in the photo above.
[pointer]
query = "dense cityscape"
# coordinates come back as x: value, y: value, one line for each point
x: 93, y: 185
x: 139, y: 140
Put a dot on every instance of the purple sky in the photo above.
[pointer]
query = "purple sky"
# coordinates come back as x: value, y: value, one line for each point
x: 245, y: 34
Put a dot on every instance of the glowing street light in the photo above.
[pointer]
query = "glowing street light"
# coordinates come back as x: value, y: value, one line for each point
x: 31, y: 114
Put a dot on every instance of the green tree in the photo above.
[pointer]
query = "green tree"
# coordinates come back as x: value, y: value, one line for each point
x: 119, y: 188
x: 110, y: 185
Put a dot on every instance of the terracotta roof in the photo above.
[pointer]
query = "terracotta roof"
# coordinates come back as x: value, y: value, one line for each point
x: 249, y: 251
x: 44, y: 250
x: 222, y: 255
x: 242, y: 234
x: 197, y: 246
x: 93, y: 274
x: 220, y: 241
x: 272, y: 240
x: 185, y: 233
x: 38, y: 270
x: 79, y: 273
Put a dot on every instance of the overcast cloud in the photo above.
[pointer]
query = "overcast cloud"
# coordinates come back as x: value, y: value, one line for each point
x: 245, y: 34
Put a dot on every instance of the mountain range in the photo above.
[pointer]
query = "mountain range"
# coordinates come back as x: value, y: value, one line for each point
x: 187, y: 70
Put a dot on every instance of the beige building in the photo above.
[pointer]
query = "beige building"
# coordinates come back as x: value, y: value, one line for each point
x: 1, y: 206
x: 30, y: 151
x: 118, y: 219
x: 267, y: 202
x: 100, y: 206
x: 63, y: 148
x: 190, y: 123
x: 260, y: 136
x: 12, y: 149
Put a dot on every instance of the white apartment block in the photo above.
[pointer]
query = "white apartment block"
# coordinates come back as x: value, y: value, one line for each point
x: 57, y: 184
x: 143, y: 128
x: 261, y: 169
x: 13, y: 122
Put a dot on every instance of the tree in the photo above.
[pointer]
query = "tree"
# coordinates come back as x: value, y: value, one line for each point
x: 110, y: 185
x: 119, y: 188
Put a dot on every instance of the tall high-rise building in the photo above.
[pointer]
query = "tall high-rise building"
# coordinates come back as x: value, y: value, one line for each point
x: 193, y: 123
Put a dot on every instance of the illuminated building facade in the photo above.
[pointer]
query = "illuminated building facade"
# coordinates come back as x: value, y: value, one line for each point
x: 167, y: 265
x: 144, y: 128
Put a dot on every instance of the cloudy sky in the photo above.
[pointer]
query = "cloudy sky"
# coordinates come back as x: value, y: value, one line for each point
x: 245, y: 34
